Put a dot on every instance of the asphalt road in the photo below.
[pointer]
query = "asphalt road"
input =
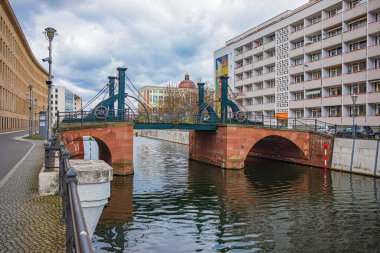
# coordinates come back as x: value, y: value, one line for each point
x: 11, y: 151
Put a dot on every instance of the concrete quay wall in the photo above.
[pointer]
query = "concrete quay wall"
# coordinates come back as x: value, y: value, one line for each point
x: 356, y: 156
x: 176, y: 136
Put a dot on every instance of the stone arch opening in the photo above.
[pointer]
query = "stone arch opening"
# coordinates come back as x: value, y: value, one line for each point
x: 75, y: 147
x: 278, y: 148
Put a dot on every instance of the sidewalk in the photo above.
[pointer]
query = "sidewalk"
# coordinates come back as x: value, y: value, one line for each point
x: 28, y: 222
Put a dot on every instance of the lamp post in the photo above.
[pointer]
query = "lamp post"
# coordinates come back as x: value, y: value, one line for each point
x: 354, y: 98
x: 31, y: 111
x: 49, y: 34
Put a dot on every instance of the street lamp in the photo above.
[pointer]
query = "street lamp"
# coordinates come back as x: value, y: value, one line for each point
x: 49, y: 34
x: 354, y: 98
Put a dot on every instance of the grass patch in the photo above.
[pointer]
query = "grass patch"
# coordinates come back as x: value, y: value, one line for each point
x: 34, y: 137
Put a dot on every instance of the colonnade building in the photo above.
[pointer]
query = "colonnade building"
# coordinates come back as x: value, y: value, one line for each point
x: 307, y: 62
x: 19, y: 69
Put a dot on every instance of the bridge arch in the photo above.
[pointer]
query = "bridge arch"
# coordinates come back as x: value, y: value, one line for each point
x: 76, y: 149
x: 277, y: 147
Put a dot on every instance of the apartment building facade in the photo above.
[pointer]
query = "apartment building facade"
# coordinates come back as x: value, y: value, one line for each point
x: 64, y: 100
x: 306, y: 63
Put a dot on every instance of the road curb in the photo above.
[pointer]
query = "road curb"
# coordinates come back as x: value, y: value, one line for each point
x: 10, y: 173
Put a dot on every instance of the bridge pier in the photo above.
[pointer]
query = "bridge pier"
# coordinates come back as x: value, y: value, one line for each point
x: 229, y: 146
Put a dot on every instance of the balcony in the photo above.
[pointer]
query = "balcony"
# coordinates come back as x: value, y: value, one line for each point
x: 239, y: 56
x: 258, y: 49
x: 269, y: 45
x: 355, y: 12
x: 315, y: 102
x: 239, y: 70
x: 261, y: 107
x: 312, y: 84
x: 313, y: 28
x: 248, y: 53
x: 296, y: 35
x: 355, y: 34
x: 373, y: 5
x: 247, y: 80
x: 332, y: 81
x: 257, y: 78
x: 269, y: 76
x: 296, y: 87
x: 313, y: 65
x: 268, y: 61
x: 296, y: 69
x: 296, y: 52
x: 355, y: 77
x: 268, y: 91
x: 347, y: 100
x: 374, y: 50
x: 257, y: 64
x: 238, y: 82
x: 355, y: 55
x: 295, y: 104
x: 313, y: 47
x: 373, y: 97
x: 332, y: 21
x: 332, y: 101
x: 374, y: 74
x: 332, y: 61
x: 332, y: 41
x: 374, y: 27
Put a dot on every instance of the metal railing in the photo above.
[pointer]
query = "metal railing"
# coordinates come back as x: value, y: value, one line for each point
x: 77, y: 236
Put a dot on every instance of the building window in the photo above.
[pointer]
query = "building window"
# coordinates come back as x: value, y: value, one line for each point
x: 259, y: 57
x: 376, y: 85
x: 271, y: 69
x: 248, y: 101
x: 313, y: 94
x: 334, y: 32
x: 335, y: 71
x: 358, y: 110
x: 316, y: 20
x: 298, y: 44
x: 259, y: 86
x: 335, y: 111
x: 271, y: 84
x: 316, y: 75
x: 316, y: 112
x: 377, y: 109
x: 259, y: 101
x: 357, y: 24
x: 298, y: 61
x: 299, y: 113
x: 315, y: 57
x: 299, y: 27
x: 271, y: 38
x: 316, y: 38
x: 271, y: 53
x: 248, y: 88
x: 299, y: 96
x: 355, y: 3
x: 335, y: 51
x: 357, y: 45
x: 357, y: 88
x: 271, y: 99
x: 335, y: 91
x: 259, y: 72
x: 298, y: 78
x: 377, y: 63
x: 248, y: 74
x: 332, y: 13
x: 356, y: 67
x: 260, y: 42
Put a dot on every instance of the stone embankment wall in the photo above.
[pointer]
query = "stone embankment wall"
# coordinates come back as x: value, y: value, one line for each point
x: 176, y: 136
x: 356, y: 156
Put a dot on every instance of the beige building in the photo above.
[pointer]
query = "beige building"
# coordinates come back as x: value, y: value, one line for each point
x: 306, y: 63
x: 18, y: 69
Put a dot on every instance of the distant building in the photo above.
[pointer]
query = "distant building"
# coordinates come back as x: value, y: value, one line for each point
x: 64, y: 100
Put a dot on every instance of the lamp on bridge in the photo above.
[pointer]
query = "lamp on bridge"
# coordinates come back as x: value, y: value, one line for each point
x: 49, y: 34
x: 354, y: 98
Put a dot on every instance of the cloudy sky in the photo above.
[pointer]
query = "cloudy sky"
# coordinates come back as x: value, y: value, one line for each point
x: 158, y: 40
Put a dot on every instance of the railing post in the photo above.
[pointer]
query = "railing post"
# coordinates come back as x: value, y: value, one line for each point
x: 47, y: 151
x: 315, y: 125
x: 81, y: 116
x: 57, y: 116
x: 70, y: 177
x: 64, y: 154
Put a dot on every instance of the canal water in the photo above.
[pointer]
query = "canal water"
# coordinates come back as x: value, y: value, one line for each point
x: 185, y: 206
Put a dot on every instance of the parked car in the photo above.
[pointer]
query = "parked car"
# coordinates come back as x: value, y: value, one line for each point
x: 361, y: 132
x: 326, y: 129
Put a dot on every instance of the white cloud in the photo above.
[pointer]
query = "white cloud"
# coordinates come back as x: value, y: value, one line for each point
x: 157, y: 40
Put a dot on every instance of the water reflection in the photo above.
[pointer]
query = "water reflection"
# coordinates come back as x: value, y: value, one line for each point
x: 188, y: 206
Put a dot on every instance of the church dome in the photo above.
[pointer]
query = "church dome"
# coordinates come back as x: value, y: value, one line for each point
x: 187, y: 83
